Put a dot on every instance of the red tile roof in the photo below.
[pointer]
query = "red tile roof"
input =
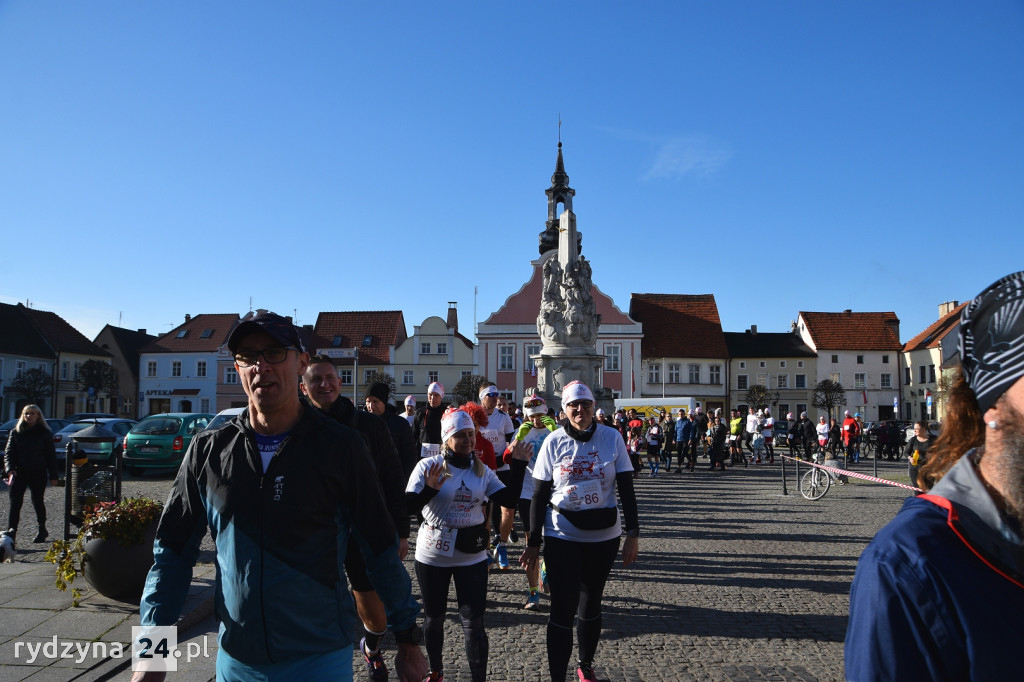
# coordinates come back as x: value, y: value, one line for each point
x: 386, y: 327
x: 201, y: 334
x: 60, y: 335
x: 853, y: 331
x: 679, y: 325
x: 934, y: 332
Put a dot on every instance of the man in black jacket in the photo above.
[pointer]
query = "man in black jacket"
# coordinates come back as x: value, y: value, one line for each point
x: 322, y: 387
x: 401, y: 432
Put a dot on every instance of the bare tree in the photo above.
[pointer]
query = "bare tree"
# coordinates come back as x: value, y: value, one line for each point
x: 100, y: 377
x: 467, y: 389
x: 34, y: 385
x: 828, y: 394
x: 757, y: 397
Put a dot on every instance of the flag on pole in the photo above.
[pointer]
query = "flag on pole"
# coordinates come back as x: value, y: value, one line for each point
x: 865, y: 395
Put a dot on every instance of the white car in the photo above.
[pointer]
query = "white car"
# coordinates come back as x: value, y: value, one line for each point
x: 223, y: 416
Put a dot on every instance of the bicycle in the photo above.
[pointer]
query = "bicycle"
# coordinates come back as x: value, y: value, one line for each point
x: 816, y: 482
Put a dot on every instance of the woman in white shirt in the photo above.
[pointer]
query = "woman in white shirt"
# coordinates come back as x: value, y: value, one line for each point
x: 450, y: 490
x: 574, y: 510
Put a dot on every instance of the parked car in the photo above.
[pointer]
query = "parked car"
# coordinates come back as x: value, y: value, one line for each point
x: 160, y: 440
x: 223, y: 416
x: 8, y: 426
x: 79, y: 416
x: 781, y: 433
x: 98, y: 453
x: 933, y: 428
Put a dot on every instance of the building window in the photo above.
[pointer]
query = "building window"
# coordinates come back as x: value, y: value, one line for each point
x: 367, y: 340
x: 65, y: 367
x: 126, y: 405
x: 800, y: 408
x: 859, y: 380
x: 201, y: 370
x: 783, y: 409
x: 182, y: 334
x: 783, y: 381
x: 743, y: 364
x: 782, y: 364
x: 834, y: 376
x: 204, y: 405
x: 207, y: 333
x: 611, y: 358
x: 367, y: 374
x: 923, y: 373
x: 799, y: 364
x: 762, y: 364
x: 801, y: 380
x: 506, y: 357
x: 442, y: 349
x: 885, y: 359
x: 762, y: 380
x: 835, y: 359
x: 885, y: 381
x: 906, y: 376
x: 176, y: 368
x: 74, y: 370
x: 465, y: 373
x: 528, y: 350
x: 230, y: 375
x: 716, y: 375
x: 424, y: 349
x: 931, y: 373
x: 860, y: 359
x: 431, y: 376
x: 654, y: 374
x: 336, y: 342
x: 674, y: 372
x: 346, y: 377
x: 694, y: 374
x: 741, y: 382
x: 408, y: 377
x: 20, y: 366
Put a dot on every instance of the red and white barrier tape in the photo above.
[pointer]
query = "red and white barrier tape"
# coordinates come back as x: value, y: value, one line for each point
x: 844, y: 472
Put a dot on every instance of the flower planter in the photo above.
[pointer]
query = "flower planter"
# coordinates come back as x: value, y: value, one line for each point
x: 119, y: 572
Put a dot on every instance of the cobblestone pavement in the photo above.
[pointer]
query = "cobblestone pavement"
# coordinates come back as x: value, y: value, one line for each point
x: 735, y: 581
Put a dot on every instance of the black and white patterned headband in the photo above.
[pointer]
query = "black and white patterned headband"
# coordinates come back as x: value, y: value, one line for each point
x: 992, y: 339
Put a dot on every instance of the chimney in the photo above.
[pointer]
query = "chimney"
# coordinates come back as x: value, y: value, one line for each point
x: 753, y: 330
x: 187, y: 317
x: 848, y: 311
x: 453, y: 316
x: 947, y: 307
x: 894, y: 324
x: 142, y: 331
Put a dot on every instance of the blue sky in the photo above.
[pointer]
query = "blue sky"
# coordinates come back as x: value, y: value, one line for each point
x: 160, y: 158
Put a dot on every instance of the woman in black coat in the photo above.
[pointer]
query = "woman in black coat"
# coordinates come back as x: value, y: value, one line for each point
x: 29, y: 460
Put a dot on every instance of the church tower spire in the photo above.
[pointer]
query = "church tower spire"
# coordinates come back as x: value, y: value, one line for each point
x: 559, y: 194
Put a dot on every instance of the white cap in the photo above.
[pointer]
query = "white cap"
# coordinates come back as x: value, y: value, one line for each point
x: 454, y: 421
x: 847, y: 413
x: 576, y: 390
x: 488, y: 390
x: 409, y: 400
x: 437, y: 388
x: 535, y: 405
x: 600, y: 412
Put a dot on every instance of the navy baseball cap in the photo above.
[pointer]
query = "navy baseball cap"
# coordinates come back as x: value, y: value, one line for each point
x: 280, y: 328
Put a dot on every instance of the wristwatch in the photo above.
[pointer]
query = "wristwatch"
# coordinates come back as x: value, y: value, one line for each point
x: 413, y: 635
x: 635, y: 533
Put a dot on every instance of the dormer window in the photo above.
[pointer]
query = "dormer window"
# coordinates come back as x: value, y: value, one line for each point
x: 367, y: 340
x: 181, y: 334
x: 207, y: 333
x: 336, y: 342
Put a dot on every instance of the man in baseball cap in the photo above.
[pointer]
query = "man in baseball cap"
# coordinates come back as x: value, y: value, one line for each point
x: 939, y: 592
x: 307, y: 483
x: 410, y: 409
x: 426, y: 427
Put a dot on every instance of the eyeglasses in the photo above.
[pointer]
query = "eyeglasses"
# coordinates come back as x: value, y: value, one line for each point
x: 271, y: 356
x: 581, y: 404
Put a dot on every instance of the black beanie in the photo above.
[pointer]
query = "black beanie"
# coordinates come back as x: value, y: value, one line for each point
x: 379, y: 391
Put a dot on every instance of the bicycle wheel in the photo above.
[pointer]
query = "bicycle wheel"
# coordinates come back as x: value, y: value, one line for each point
x: 814, y: 484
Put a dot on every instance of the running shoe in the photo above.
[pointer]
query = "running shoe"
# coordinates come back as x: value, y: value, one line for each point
x: 376, y: 670
x: 501, y: 556
x: 513, y: 536
x: 585, y: 673
x: 543, y: 577
x: 533, y: 601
